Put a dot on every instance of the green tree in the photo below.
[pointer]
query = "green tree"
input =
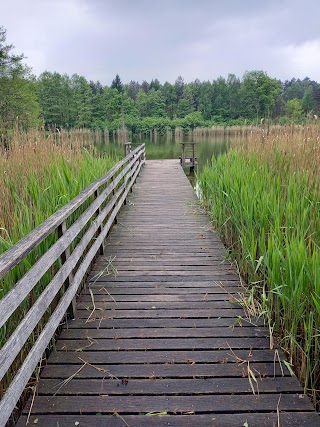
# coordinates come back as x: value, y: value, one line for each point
x: 117, y: 84
x: 154, y: 84
x: 279, y: 108
x: 170, y: 99
x: 308, y: 101
x: 156, y: 105
x: 186, y: 103
x: 179, y: 86
x: 220, y: 104
x: 205, y: 100
x: 17, y: 88
x: 259, y: 93
x: 142, y: 103
x: 113, y: 104
x: 132, y: 89
x: 183, y: 108
x: 233, y: 91
x: 82, y: 96
x: 10, y: 64
x: 194, y: 119
x: 294, y: 109
x: 56, y: 99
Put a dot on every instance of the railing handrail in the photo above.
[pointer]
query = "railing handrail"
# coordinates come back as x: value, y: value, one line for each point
x: 98, y: 217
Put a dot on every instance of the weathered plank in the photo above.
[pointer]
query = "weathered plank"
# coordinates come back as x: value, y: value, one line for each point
x: 213, y: 322
x: 75, y: 334
x: 154, y: 314
x: 156, y: 386
x: 164, y: 356
x: 264, y: 419
x: 168, y: 305
x: 198, y: 404
x: 161, y: 343
x: 166, y: 370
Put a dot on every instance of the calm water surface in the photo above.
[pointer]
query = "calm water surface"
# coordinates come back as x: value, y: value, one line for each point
x: 163, y: 148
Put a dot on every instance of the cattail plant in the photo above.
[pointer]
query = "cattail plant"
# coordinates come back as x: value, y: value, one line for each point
x: 263, y: 196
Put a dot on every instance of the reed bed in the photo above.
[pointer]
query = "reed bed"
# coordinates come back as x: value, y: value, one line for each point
x: 40, y: 173
x: 264, y: 197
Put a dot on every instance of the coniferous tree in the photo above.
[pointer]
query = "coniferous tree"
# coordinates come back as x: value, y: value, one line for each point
x: 117, y: 84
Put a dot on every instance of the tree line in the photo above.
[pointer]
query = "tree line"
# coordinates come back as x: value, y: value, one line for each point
x: 60, y: 100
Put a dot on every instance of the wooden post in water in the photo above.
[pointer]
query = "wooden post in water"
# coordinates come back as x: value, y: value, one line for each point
x: 188, y: 153
x: 193, y: 157
x: 127, y: 148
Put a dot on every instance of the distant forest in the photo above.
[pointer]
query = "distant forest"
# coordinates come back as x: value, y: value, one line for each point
x: 59, y: 100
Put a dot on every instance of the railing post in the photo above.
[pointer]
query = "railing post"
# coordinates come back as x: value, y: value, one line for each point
x: 193, y: 154
x: 101, y: 249
x: 131, y: 188
x: 64, y: 256
x: 113, y: 193
x: 183, y: 156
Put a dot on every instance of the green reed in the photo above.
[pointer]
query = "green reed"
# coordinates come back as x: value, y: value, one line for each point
x: 264, y: 199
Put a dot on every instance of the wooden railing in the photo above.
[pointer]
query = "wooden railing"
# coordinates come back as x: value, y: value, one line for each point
x: 74, y: 249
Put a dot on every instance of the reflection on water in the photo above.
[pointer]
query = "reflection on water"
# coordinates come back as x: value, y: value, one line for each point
x: 170, y: 148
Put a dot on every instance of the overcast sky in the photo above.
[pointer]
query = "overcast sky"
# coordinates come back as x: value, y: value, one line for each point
x: 148, y: 39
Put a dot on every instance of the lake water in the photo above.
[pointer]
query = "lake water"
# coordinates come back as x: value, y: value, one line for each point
x: 163, y: 148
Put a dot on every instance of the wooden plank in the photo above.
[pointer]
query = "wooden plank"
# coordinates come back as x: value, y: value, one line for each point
x: 197, y: 386
x: 169, y: 305
x: 166, y: 278
x: 177, y: 284
x: 167, y: 370
x: 154, y: 314
x: 265, y: 419
x: 136, y: 405
x: 154, y: 292
x: 146, y: 264
x: 163, y: 356
x: 161, y: 343
x: 213, y: 322
x: 82, y: 333
x: 119, y: 299
x: 160, y: 266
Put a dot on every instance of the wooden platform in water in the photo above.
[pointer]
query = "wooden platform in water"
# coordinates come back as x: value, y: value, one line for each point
x: 157, y: 341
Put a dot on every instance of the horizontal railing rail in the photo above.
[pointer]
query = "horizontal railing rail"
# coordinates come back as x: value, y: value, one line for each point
x: 74, y: 250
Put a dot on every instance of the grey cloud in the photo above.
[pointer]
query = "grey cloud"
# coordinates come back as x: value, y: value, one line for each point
x: 145, y: 39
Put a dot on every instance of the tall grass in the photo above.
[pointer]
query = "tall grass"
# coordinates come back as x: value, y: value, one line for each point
x: 264, y: 197
x: 40, y: 173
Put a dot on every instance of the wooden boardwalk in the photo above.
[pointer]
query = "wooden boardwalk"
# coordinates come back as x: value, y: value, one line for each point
x: 156, y: 330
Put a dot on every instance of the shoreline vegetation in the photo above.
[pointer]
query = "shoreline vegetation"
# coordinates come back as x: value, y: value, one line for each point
x: 263, y: 196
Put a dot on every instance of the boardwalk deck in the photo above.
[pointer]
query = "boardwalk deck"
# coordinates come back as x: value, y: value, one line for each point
x: 159, y: 337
